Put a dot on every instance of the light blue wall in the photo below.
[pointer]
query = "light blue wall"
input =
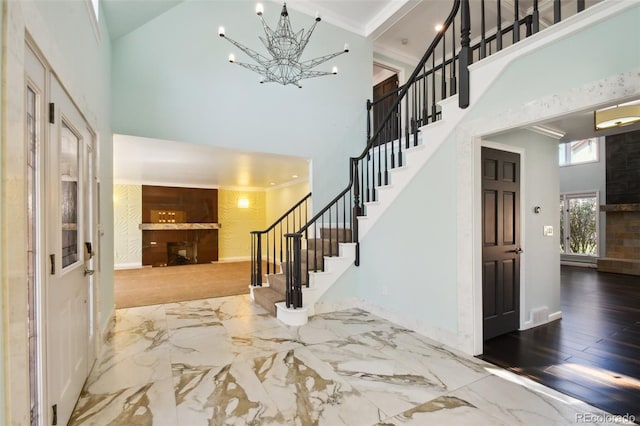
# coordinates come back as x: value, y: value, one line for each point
x: 409, y: 258
x: 413, y: 270
x: 583, y: 178
x: 178, y: 85
x: 606, y: 48
x: 540, y: 187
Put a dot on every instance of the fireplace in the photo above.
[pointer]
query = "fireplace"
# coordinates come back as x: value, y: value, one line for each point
x: 623, y: 204
x: 182, y: 253
x: 623, y: 239
x: 179, y: 225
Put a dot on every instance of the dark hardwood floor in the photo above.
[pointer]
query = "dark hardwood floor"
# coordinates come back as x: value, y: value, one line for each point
x: 593, y: 352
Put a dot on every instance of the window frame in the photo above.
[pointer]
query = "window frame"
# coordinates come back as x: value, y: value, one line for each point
x: 566, y: 196
x: 567, y: 152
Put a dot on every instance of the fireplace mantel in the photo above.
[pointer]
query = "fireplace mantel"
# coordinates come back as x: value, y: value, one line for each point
x: 177, y: 226
x: 635, y: 207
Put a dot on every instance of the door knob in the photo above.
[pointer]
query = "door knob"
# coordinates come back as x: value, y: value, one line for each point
x: 517, y: 250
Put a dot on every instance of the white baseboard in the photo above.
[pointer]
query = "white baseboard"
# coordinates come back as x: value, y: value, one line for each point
x: 132, y: 265
x: 233, y: 259
x: 552, y: 317
x: 580, y: 264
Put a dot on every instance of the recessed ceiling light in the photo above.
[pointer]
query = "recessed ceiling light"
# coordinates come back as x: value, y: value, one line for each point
x: 294, y: 176
x: 438, y: 27
x: 272, y: 183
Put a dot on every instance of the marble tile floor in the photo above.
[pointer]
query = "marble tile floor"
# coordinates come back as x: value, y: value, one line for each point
x: 225, y: 361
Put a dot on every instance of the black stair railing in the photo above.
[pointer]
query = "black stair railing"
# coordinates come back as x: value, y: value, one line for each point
x: 367, y: 171
x: 268, y: 245
x: 443, y: 71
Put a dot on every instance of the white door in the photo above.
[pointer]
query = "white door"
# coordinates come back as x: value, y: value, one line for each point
x: 68, y: 228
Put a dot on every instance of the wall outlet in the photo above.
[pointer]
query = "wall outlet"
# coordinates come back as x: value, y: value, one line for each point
x: 547, y: 231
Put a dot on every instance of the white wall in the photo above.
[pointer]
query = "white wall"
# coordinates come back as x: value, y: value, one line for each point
x: 127, y: 216
x: 178, y: 85
x: 585, y: 178
x: 63, y: 32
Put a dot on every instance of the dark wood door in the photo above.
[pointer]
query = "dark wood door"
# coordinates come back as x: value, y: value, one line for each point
x: 382, y: 105
x: 500, y: 242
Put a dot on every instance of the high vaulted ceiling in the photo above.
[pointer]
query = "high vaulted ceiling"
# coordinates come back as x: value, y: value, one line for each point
x: 400, y: 29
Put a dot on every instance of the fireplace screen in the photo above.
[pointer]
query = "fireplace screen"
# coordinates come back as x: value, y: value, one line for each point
x: 182, y: 253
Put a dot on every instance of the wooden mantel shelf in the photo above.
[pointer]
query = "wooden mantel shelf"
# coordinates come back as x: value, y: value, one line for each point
x: 177, y: 226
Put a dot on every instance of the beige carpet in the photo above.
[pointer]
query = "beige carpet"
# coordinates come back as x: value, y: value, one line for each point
x: 152, y: 286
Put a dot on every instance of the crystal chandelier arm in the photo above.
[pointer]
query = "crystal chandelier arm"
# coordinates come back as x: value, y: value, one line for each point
x: 252, y: 53
x: 317, y: 61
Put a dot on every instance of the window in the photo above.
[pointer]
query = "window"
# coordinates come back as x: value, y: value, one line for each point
x: 578, y: 152
x: 579, y: 224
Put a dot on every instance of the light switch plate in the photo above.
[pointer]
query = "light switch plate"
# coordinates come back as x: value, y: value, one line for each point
x: 548, y: 231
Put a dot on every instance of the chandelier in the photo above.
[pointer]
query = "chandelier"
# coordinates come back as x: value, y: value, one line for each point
x: 285, y: 48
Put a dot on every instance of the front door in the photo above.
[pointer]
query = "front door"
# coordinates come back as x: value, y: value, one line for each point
x: 68, y: 224
x: 500, y: 242
x: 384, y: 97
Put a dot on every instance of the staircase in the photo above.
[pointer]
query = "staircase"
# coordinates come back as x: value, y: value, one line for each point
x: 318, y: 251
x: 425, y: 112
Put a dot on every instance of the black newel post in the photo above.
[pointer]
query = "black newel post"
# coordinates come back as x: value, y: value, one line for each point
x: 357, y: 210
x: 293, y: 295
x: 465, y: 54
x: 256, y: 259
x: 368, y: 121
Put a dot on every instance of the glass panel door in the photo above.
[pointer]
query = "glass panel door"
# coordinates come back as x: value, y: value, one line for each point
x: 69, y: 166
x: 579, y: 224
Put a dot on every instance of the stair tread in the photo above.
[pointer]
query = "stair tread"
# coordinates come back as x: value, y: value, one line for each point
x: 277, y: 282
x: 267, y: 298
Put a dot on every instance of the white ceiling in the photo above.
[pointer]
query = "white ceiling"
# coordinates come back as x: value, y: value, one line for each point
x: 386, y: 22
x: 159, y: 162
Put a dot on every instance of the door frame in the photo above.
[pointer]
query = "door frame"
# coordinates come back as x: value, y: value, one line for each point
x: 44, y: 159
x: 479, y: 143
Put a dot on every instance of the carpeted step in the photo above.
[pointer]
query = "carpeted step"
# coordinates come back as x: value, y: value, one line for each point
x: 328, y: 247
x: 267, y: 298
x: 304, y: 269
x: 339, y: 234
x: 278, y: 282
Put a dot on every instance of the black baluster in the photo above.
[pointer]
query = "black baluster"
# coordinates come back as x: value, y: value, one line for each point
x: 499, y: 27
x: 483, y: 40
x: 535, y: 16
x: 580, y: 5
x: 443, y: 74
x: 557, y: 12
x: 465, y: 54
x: 433, y: 87
x: 516, y: 22
x: 268, y: 262
x: 453, y: 84
x: 425, y: 98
